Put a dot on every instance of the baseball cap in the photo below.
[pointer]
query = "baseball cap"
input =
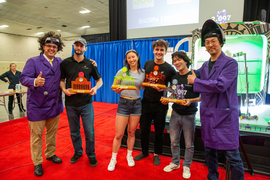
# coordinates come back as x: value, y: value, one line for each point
x: 81, y: 40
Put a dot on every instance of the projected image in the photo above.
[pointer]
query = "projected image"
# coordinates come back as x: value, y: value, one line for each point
x: 163, y: 18
x: 154, y: 13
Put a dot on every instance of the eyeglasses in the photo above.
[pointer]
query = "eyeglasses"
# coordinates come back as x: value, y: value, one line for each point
x: 49, y: 46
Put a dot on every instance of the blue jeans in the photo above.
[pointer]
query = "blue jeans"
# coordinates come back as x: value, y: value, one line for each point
x: 233, y: 157
x: 129, y: 107
x: 86, y: 112
x: 177, y: 124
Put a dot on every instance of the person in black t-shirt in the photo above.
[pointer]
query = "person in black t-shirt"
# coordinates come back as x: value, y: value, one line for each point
x: 80, y: 105
x: 13, y: 78
x: 183, y: 115
x: 152, y: 108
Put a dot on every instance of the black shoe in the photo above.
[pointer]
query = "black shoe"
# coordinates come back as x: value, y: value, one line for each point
x: 139, y: 157
x: 156, y: 160
x: 93, y: 161
x: 55, y: 159
x: 75, y: 158
x: 38, y: 171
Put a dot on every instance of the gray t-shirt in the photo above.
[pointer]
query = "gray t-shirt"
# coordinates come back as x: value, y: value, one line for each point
x: 139, y: 78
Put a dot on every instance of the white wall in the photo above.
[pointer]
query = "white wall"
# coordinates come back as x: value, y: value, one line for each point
x: 18, y: 49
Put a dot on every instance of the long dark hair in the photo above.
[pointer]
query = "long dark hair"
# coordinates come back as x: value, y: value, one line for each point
x: 138, y: 63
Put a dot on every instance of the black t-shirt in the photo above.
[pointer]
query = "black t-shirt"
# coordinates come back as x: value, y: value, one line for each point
x: 188, y: 94
x: 151, y: 94
x: 211, y: 65
x: 70, y: 69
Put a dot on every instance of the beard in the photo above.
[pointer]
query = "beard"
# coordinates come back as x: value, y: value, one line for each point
x: 79, y: 52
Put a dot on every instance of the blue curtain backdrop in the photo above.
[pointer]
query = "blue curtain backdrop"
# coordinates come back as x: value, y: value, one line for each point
x: 110, y: 58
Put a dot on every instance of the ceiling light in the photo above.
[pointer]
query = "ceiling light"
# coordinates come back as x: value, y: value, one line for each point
x: 85, y: 26
x: 85, y: 11
x: 59, y: 30
x: 40, y: 33
x: 3, y: 26
x: 2, y: 1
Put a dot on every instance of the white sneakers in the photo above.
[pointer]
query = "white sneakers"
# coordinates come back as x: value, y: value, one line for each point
x: 112, y: 164
x: 186, y: 172
x: 171, y: 167
x: 130, y: 161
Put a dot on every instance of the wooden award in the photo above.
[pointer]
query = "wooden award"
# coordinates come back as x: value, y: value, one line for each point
x: 177, y: 93
x: 81, y: 85
x: 124, y: 80
x: 155, y: 79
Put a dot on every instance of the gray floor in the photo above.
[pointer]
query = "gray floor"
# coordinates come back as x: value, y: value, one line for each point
x: 4, y: 116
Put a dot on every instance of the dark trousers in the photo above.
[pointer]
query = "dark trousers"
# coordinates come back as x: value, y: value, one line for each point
x: 10, y: 102
x: 233, y: 156
x: 152, y: 111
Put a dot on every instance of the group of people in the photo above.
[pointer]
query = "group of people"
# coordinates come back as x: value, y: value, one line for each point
x: 214, y: 84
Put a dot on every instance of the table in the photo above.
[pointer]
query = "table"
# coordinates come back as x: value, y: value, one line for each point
x: 3, y: 94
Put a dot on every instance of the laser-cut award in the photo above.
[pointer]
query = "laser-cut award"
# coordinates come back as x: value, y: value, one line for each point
x: 81, y: 85
x: 124, y: 80
x: 177, y: 93
x: 155, y: 79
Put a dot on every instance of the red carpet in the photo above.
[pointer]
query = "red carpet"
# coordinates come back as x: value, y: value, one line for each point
x: 15, y: 158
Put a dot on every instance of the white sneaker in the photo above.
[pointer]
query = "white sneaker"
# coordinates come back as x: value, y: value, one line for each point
x: 130, y: 161
x: 112, y: 164
x: 186, y: 172
x: 171, y: 167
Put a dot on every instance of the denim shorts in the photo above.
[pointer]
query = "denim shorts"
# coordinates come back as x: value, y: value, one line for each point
x: 129, y: 107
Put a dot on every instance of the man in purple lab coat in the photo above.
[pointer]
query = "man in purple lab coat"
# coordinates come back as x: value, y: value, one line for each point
x: 41, y: 75
x: 219, y: 103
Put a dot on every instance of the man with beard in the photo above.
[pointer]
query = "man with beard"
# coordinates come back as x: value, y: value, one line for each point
x: 219, y: 103
x: 44, y: 98
x: 80, y: 105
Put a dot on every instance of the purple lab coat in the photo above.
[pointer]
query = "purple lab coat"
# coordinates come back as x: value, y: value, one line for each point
x: 219, y: 112
x: 45, y: 101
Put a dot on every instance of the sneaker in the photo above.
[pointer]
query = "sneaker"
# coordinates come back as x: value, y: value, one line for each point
x: 186, y: 172
x: 156, y: 160
x: 112, y: 164
x: 139, y: 157
x: 171, y: 167
x: 130, y: 161
x: 75, y: 158
x: 93, y: 161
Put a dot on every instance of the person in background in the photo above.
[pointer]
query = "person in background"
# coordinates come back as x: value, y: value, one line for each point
x: 41, y: 74
x: 129, y: 108
x: 13, y: 77
x: 80, y: 105
x: 152, y: 108
x: 219, y: 103
x: 183, y: 115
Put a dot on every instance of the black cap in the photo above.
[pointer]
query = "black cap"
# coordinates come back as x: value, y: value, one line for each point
x: 212, y: 29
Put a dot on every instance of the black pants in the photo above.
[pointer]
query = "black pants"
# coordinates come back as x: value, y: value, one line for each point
x: 10, y: 102
x: 152, y: 111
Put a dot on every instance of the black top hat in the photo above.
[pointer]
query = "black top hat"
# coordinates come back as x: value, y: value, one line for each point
x: 212, y: 29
